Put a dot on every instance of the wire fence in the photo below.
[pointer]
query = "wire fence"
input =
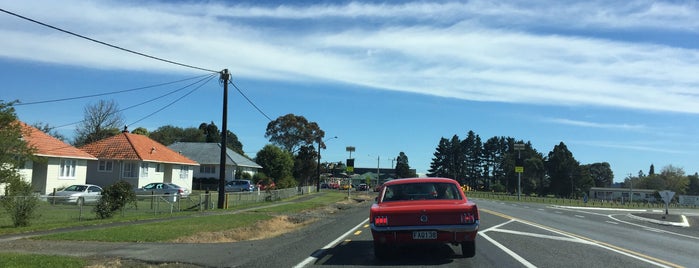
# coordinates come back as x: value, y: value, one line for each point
x: 57, y: 210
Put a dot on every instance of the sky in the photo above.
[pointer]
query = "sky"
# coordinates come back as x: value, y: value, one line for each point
x: 616, y: 81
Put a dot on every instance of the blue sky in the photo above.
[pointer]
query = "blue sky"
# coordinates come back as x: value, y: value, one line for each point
x: 616, y: 81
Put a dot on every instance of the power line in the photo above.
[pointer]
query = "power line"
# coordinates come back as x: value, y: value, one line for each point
x: 109, y: 93
x: 173, y: 102
x: 107, y: 44
x: 151, y: 100
x: 249, y: 101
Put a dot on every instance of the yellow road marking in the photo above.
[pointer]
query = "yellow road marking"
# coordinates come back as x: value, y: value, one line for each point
x: 628, y: 251
x: 358, y: 232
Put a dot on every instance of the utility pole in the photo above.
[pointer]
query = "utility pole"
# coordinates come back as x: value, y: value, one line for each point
x: 225, y: 77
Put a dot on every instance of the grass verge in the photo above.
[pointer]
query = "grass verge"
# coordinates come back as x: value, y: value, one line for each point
x: 173, y: 229
x: 39, y: 261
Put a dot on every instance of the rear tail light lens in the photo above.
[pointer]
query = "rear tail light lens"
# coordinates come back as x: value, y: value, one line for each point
x: 381, y: 221
x: 468, y: 218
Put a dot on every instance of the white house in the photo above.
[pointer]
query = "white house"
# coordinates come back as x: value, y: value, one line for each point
x: 59, y: 164
x: 138, y: 160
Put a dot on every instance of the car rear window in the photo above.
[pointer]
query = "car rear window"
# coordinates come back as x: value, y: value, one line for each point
x: 421, y: 191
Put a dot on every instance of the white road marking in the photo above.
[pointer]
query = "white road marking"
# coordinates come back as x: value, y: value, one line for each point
x: 580, y: 216
x: 508, y: 251
x: 329, y: 245
x: 565, y: 237
x: 611, y: 222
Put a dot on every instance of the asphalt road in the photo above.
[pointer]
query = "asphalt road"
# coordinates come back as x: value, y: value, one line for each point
x: 511, y: 235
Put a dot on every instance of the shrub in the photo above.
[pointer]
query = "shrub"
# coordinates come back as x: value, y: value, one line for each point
x: 20, y: 202
x: 115, y: 197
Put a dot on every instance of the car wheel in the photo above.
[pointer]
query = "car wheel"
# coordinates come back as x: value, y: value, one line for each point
x: 80, y: 202
x: 381, y: 251
x: 468, y: 249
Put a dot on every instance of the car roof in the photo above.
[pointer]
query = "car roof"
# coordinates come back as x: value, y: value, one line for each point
x: 418, y: 180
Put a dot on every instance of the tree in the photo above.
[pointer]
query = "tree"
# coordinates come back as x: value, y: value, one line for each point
x: 693, y: 187
x: 563, y: 169
x: 211, y: 132
x: 276, y: 163
x: 291, y: 132
x: 19, y: 201
x: 169, y: 134
x: 101, y: 120
x: 674, y: 178
x: 601, y: 173
x: 140, y: 131
x: 472, y: 148
x: 403, y: 167
x: 48, y: 129
x: 438, y: 166
x: 14, y: 150
x: 305, y: 165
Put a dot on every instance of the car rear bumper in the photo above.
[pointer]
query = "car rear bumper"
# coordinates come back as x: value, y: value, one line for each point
x: 445, y: 233
x: 441, y: 228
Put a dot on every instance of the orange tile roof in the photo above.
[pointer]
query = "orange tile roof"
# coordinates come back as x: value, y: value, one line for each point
x: 127, y: 146
x: 46, y: 145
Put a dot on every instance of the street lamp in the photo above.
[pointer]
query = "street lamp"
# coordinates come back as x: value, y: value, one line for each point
x: 319, y: 140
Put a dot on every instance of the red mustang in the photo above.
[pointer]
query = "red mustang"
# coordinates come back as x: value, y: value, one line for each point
x: 423, y: 210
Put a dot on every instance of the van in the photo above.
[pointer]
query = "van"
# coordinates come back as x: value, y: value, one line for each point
x: 240, y: 186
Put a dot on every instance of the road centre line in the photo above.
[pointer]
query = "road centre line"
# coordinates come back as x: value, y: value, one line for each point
x: 314, y: 257
x: 610, y: 247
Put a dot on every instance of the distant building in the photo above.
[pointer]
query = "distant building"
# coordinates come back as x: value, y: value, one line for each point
x: 622, y: 194
x: 208, y: 155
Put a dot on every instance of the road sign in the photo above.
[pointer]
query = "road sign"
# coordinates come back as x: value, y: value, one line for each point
x: 666, y: 195
x: 519, y: 169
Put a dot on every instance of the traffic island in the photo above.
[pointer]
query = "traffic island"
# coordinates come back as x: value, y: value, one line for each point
x: 662, y: 218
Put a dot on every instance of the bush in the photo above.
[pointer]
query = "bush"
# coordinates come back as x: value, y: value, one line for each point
x: 20, y: 202
x: 115, y: 197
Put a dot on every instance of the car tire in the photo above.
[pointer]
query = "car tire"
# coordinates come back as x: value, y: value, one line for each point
x: 468, y: 249
x: 381, y: 251
x: 80, y: 202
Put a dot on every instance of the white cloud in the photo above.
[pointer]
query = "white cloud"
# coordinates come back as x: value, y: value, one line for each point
x: 588, y: 124
x: 458, y: 50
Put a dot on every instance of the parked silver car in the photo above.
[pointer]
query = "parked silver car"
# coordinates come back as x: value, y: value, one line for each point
x: 77, y: 194
x: 163, y: 188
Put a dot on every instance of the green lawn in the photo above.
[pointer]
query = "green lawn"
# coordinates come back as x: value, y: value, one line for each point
x: 39, y: 261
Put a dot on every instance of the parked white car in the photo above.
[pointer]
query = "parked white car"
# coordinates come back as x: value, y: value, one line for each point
x: 78, y: 194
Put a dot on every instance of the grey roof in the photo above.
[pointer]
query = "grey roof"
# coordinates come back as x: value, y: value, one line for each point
x: 210, y: 154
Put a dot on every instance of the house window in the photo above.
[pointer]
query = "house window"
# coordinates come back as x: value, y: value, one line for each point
x: 67, y: 169
x: 105, y: 166
x: 207, y: 169
x: 159, y: 167
x: 130, y: 170
x: 184, y: 172
x: 144, y: 170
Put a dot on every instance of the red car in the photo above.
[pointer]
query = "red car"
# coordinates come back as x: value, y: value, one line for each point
x: 423, y: 210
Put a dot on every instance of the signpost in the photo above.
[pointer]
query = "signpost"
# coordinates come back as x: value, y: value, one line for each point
x: 519, y: 168
x: 667, y: 197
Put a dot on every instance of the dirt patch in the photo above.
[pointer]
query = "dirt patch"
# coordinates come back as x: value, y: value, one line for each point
x: 262, y: 230
x: 277, y: 226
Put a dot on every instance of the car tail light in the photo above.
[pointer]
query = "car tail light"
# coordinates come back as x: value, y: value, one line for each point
x: 381, y: 221
x: 180, y: 191
x: 468, y: 218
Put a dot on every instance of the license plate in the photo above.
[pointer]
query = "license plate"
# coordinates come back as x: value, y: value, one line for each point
x: 423, y: 235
